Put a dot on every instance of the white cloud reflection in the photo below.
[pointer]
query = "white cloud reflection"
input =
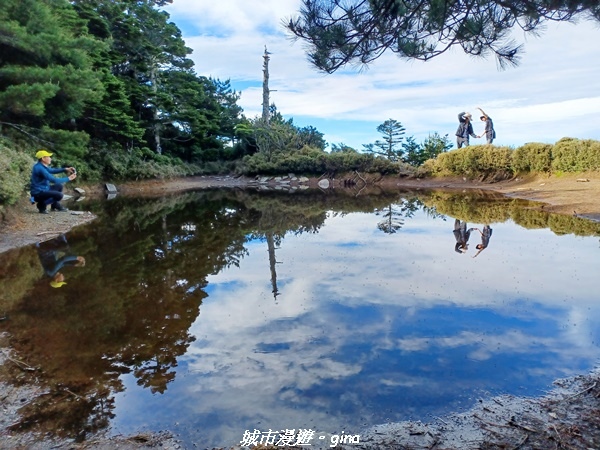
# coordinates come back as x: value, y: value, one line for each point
x: 362, y: 313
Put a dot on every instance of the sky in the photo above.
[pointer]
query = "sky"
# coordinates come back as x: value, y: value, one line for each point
x: 553, y: 93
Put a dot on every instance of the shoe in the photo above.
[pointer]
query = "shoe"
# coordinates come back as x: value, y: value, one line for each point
x: 43, y: 212
x: 59, y: 208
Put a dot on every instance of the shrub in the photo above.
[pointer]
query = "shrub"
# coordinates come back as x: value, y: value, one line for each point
x: 472, y: 161
x: 565, y: 155
x: 532, y: 157
x: 590, y: 154
x: 575, y: 155
x: 69, y: 147
x: 310, y: 161
x: 15, y: 173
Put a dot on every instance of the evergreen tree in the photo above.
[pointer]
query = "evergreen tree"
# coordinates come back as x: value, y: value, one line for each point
x: 393, y: 133
x: 151, y: 44
x: 191, y: 116
x: 311, y: 137
x: 230, y: 111
x: 342, y: 148
x: 416, y: 154
x: 412, y: 151
x: 110, y: 120
x: 46, y: 70
x: 359, y: 31
x: 434, y: 145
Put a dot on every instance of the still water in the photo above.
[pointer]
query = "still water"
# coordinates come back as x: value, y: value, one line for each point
x: 216, y: 312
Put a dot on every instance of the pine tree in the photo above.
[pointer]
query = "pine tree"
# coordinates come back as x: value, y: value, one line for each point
x: 46, y: 72
x: 393, y: 133
x: 359, y: 31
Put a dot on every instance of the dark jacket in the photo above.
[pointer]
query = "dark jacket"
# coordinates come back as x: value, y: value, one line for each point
x: 42, y: 176
x: 464, y: 130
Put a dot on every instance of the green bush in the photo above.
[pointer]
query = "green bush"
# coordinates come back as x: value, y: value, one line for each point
x: 576, y: 155
x: 15, y: 173
x: 532, y: 157
x: 472, y: 161
x: 114, y: 163
x: 493, y: 159
x: 565, y: 155
x: 311, y: 161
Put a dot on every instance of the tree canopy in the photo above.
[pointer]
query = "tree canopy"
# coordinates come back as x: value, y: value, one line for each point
x: 108, y: 86
x: 340, y: 32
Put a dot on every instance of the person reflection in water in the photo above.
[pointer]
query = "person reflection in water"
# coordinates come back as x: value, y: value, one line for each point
x: 462, y: 236
x: 486, y: 234
x: 54, y: 256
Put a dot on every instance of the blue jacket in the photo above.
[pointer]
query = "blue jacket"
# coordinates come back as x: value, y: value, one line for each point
x: 42, y: 176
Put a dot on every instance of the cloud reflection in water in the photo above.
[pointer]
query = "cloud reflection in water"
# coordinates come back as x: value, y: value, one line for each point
x: 372, y: 327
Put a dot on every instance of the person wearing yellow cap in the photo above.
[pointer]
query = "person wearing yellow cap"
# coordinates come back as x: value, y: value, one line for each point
x: 54, y: 256
x: 58, y: 280
x: 46, y: 189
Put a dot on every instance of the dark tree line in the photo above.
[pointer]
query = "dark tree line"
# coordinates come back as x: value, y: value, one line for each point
x: 106, y: 82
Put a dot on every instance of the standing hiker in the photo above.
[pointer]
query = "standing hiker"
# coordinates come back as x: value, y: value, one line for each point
x: 465, y: 129
x: 490, y: 133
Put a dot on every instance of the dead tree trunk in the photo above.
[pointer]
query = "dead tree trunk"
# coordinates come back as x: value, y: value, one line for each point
x: 265, y: 103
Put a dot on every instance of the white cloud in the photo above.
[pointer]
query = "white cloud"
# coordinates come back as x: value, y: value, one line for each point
x: 552, y: 94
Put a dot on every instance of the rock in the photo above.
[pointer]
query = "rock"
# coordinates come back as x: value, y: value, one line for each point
x: 79, y: 191
x: 111, y: 188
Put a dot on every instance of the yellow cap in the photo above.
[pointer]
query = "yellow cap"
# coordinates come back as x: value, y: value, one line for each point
x: 57, y: 284
x: 40, y: 154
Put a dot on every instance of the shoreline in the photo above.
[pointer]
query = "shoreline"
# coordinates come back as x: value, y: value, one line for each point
x: 577, y: 195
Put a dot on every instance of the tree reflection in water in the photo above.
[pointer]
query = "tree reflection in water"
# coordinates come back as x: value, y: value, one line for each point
x: 129, y: 310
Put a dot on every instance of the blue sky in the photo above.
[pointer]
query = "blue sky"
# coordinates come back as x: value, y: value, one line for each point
x: 555, y: 91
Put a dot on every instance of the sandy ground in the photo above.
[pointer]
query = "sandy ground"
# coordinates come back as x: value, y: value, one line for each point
x: 568, y: 417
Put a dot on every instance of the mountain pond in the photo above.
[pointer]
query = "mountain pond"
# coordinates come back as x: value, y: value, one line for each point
x: 220, y: 313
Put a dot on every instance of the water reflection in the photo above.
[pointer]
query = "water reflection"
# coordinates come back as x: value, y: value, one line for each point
x: 462, y: 235
x: 486, y: 235
x: 55, y: 257
x: 320, y: 311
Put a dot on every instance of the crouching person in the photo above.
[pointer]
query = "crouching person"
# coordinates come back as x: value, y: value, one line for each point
x: 46, y: 189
